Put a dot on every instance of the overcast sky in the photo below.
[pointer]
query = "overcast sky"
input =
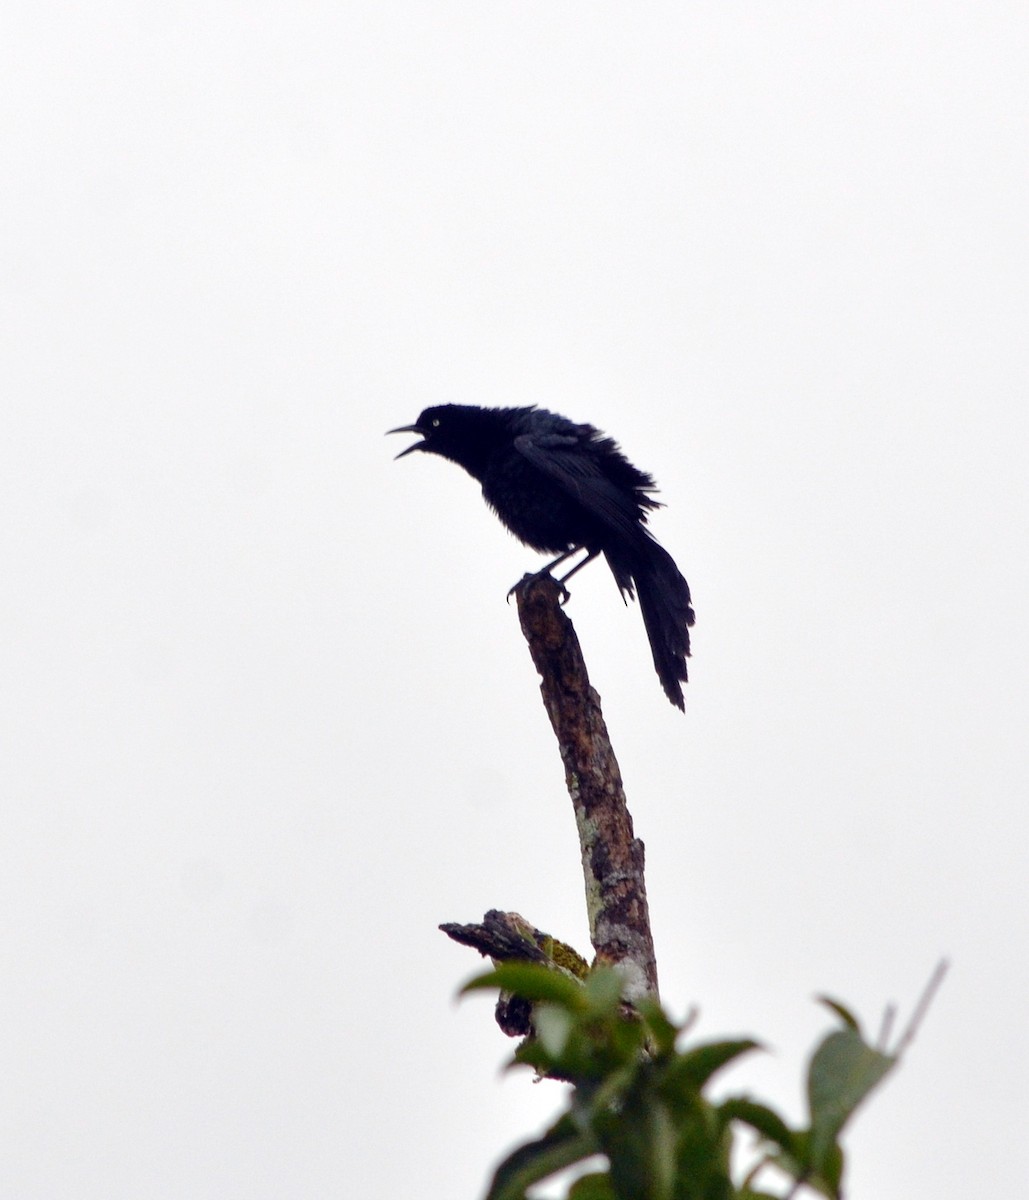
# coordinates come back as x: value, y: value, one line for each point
x: 265, y: 718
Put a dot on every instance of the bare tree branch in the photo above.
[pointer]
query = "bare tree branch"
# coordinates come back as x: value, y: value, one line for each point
x: 612, y: 858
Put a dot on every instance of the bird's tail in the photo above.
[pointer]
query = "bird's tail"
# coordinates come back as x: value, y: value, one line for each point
x: 664, y: 597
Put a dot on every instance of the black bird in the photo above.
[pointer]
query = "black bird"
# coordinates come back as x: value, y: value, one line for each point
x: 561, y: 488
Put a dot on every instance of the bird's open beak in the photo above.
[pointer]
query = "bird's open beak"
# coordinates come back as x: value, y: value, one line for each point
x: 407, y: 429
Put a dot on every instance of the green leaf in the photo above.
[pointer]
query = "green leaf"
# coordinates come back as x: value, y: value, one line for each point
x: 604, y: 990
x: 640, y: 1141
x: 693, y: 1068
x: 825, y: 1182
x: 626, y: 1037
x: 596, y: 1099
x: 704, y: 1153
x: 760, y: 1117
x: 831, y: 1174
x: 529, y: 1053
x: 561, y: 1146
x: 661, y: 1029
x: 843, y: 1070
x: 553, y: 1026
x: 532, y: 982
x: 596, y: 1186
x: 841, y: 1010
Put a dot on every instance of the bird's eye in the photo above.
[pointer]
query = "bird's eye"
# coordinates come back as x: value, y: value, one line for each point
x: 435, y: 422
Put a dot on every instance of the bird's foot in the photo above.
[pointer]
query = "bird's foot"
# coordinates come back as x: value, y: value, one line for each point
x: 526, y: 580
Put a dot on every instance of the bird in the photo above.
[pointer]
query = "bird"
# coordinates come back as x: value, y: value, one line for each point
x: 563, y: 488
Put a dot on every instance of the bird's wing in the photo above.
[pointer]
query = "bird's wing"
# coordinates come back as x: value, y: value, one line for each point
x: 564, y: 459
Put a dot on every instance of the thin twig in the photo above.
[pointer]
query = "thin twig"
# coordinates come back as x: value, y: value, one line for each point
x: 921, y: 1008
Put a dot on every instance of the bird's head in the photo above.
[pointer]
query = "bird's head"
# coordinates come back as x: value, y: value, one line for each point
x: 431, y: 425
x: 461, y: 432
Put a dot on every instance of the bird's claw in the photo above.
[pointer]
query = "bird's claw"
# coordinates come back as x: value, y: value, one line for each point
x: 525, y: 580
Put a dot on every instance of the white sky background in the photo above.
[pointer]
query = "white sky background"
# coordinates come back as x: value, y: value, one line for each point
x: 266, y: 718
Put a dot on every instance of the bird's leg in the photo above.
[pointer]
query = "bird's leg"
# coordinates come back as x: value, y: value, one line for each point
x: 556, y: 563
x: 590, y: 556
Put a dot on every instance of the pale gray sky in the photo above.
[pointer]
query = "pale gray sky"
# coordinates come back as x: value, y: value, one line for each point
x: 266, y: 718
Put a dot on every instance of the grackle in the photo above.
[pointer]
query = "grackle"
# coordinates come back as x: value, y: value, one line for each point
x: 562, y: 488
